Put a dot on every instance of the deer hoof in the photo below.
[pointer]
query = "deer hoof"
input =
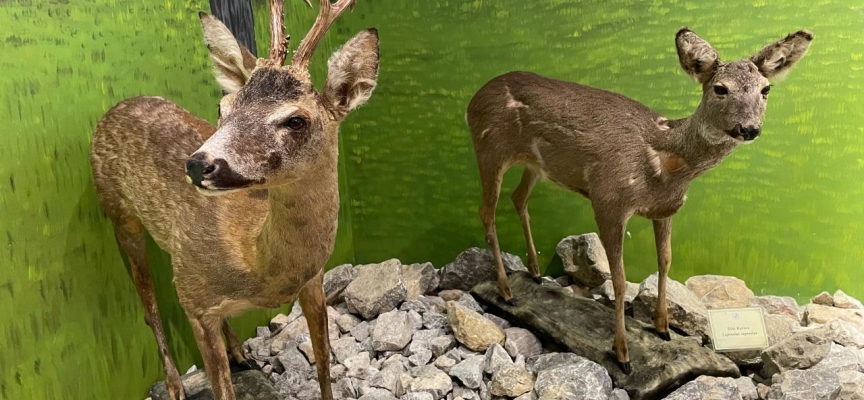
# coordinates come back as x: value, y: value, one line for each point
x: 665, y: 336
x: 537, y: 279
x: 513, y: 302
x: 625, y: 367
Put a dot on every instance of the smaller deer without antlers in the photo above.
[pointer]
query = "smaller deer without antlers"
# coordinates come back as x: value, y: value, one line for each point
x: 626, y: 159
x: 267, y: 225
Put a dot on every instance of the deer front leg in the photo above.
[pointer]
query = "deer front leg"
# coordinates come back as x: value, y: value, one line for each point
x: 315, y: 309
x: 215, y: 356
x: 490, y: 178
x: 663, y: 240
x: 235, y: 346
x: 520, y: 201
x: 612, y: 225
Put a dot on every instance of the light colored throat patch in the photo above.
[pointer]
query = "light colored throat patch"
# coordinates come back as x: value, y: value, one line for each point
x: 665, y: 163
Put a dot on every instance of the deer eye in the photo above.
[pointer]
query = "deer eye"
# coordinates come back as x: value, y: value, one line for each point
x: 766, y: 90
x: 720, y: 90
x: 296, y: 123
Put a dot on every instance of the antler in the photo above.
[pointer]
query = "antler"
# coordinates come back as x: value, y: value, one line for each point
x: 328, y: 14
x: 278, y: 39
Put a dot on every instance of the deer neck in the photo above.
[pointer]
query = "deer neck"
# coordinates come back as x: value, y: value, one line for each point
x: 686, y: 148
x: 298, y: 235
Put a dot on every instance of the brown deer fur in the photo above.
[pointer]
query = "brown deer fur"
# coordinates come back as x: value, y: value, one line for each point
x: 625, y: 158
x: 267, y: 224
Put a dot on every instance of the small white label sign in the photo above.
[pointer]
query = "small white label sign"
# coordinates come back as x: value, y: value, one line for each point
x: 734, y: 329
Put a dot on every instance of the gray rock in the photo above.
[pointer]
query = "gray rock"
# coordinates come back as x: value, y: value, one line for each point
x: 805, y: 385
x: 419, y: 353
x: 495, y: 359
x: 474, y: 266
x: 843, y: 300
x: 469, y: 371
x: 823, y: 298
x: 377, y: 289
x: 427, y: 379
x: 568, y: 376
x: 433, y: 320
x: 419, y: 279
x: 747, y: 388
x: 776, y: 305
x: 586, y: 327
x: 393, y: 331
x: 707, y: 388
x: 819, y: 314
x: 344, y: 348
x: 426, y: 335
x: 336, y: 280
x: 801, y: 350
x: 291, y: 359
x: 417, y: 396
x: 606, y: 293
x: 279, y: 321
x: 362, y: 330
x: 450, y: 295
x: 389, y: 378
x: 378, y: 394
x: 262, y: 332
x: 717, y: 291
x: 584, y: 259
x: 344, y: 389
x: 346, y: 322
x: 841, y: 359
x: 357, y: 362
x: 846, y: 333
x: 290, y: 382
x: 416, y: 305
x: 468, y: 301
x: 851, y: 385
x: 501, y: 322
x: 309, y: 391
x: 619, y: 394
x: 442, y: 344
x: 511, y: 381
x: 337, y: 371
x: 248, y: 385
x: 434, y: 303
x: 307, y: 349
x: 686, y: 312
x: 521, y: 341
x: 445, y: 363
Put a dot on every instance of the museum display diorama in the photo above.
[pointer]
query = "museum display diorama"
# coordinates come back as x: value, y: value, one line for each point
x: 323, y: 221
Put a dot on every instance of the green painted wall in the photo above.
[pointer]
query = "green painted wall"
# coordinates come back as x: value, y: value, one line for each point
x: 785, y: 213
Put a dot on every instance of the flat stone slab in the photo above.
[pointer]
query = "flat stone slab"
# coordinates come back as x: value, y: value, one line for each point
x: 587, y: 328
x: 248, y: 385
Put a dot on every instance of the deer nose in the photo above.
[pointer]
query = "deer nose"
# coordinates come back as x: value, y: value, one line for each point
x: 199, y: 169
x: 749, y: 132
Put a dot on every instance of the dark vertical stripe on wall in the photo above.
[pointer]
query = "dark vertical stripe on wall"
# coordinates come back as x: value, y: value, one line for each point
x: 237, y: 16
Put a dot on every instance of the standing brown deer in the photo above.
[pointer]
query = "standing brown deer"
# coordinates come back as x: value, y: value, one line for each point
x: 260, y: 221
x: 625, y: 158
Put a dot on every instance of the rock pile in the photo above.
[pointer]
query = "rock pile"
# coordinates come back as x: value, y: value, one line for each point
x: 412, y: 332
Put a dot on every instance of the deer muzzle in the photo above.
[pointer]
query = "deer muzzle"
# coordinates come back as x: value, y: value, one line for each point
x: 745, y: 133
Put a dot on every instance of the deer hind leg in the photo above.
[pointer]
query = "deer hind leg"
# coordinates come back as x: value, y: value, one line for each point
x: 491, y: 175
x: 215, y: 355
x: 315, y: 309
x: 663, y: 240
x: 235, y: 347
x: 612, y: 226
x: 130, y: 235
x: 520, y: 201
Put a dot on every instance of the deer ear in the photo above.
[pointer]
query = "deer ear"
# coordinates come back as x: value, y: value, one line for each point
x: 352, y: 73
x: 776, y: 59
x: 696, y: 56
x: 232, y: 62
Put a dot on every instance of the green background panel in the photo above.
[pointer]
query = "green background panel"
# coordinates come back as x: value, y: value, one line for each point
x: 785, y: 213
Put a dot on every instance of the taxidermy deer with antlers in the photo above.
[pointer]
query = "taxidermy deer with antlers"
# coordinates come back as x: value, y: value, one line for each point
x: 258, y: 222
x: 625, y: 158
